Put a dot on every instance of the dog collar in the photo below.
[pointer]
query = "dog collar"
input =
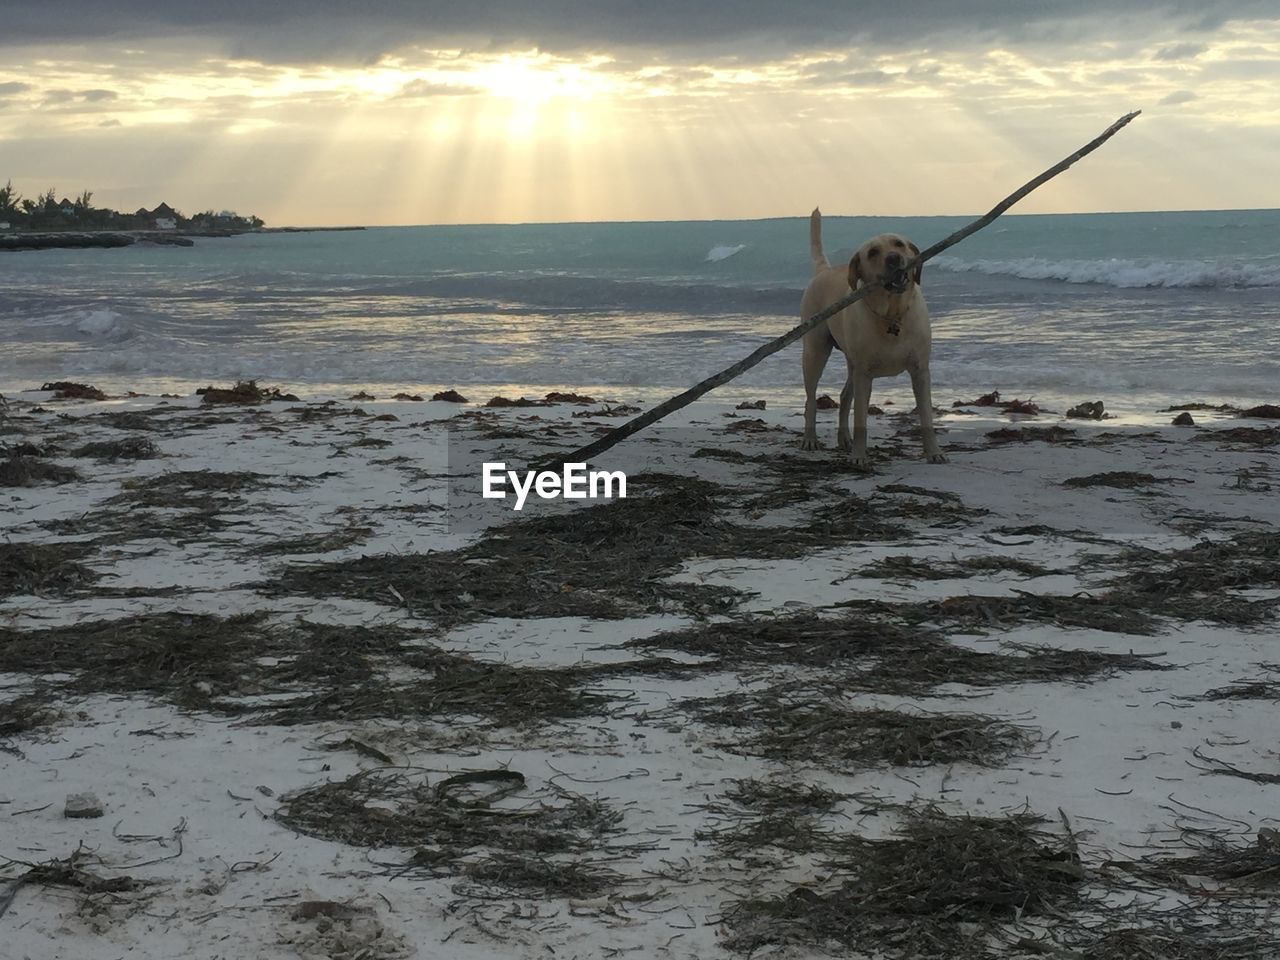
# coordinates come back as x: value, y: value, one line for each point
x: 894, y: 324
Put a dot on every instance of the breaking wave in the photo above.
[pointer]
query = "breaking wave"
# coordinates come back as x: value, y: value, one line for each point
x: 723, y: 251
x: 1125, y: 273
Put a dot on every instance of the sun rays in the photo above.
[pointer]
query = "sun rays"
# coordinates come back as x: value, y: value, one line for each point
x: 451, y: 135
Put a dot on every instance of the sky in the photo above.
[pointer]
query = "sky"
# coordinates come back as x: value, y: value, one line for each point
x: 313, y: 112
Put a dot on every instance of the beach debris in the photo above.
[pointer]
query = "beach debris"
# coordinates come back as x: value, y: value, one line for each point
x: 43, y: 568
x: 1250, y: 436
x: 244, y: 392
x: 942, y: 887
x: 535, y: 875
x: 449, y: 396
x: 28, y: 449
x: 1252, y: 689
x: 66, y: 390
x: 1202, y: 406
x: 1120, y: 479
x: 410, y: 397
x: 909, y: 568
x: 82, y: 806
x: 30, y: 472
x: 1050, y: 434
x: 531, y: 839
x: 1020, y: 406
x: 1184, y: 419
x: 136, y: 419
x: 1266, y: 411
x: 757, y: 815
x: 559, y: 397
x: 825, y: 402
x: 750, y: 405
x: 362, y: 395
x: 519, y: 402
x: 609, y: 410
x: 891, y: 649
x: 130, y: 448
x: 1088, y: 410
x: 804, y: 722
x: 1222, y: 859
x: 992, y: 399
x: 70, y: 872
x: 26, y: 713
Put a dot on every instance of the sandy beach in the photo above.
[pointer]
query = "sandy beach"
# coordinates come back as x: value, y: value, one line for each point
x: 325, y: 714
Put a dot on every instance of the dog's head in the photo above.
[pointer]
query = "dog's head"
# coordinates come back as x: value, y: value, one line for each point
x: 882, y: 259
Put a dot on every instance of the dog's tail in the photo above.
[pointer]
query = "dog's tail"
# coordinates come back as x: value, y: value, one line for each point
x: 815, y: 242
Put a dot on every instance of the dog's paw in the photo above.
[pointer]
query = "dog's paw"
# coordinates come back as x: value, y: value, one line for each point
x: 937, y: 458
x: 810, y: 443
x: 861, y: 464
x: 844, y: 443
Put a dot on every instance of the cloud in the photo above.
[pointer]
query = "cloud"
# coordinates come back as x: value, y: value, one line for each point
x: 425, y: 89
x: 1180, y: 51
x: 1178, y: 96
x: 63, y: 99
x: 13, y: 86
x: 330, y: 30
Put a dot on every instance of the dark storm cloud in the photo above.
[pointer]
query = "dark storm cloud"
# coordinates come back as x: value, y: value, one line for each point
x: 302, y: 30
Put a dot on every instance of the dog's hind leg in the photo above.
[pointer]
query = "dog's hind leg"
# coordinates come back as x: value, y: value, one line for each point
x: 920, y: 386
x: 817, y: 349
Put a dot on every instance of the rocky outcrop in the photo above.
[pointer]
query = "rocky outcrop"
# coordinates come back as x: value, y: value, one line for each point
x: 52, y: 241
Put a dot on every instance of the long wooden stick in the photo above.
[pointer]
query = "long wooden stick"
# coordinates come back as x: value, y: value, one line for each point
x: 636, y: 424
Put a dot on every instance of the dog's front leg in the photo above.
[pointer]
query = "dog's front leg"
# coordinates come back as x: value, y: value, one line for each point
x: 843, y: 440
x: 921, y: 387
x: 859, y: 389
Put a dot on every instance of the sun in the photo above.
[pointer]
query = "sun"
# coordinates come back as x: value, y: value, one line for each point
x: 536, y: 78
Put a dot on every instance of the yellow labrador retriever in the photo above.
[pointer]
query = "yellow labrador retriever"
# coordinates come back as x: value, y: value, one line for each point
x: 881, y: 335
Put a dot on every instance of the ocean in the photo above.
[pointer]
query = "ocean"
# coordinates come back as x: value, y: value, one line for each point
x: 1138, y: 310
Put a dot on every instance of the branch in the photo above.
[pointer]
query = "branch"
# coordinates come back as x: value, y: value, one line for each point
x: 635, y: 425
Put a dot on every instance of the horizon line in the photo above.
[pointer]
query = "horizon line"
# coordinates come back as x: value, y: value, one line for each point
x: 804, y: 216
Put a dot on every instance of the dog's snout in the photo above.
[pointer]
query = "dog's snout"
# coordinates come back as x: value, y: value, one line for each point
x: 894, y: 260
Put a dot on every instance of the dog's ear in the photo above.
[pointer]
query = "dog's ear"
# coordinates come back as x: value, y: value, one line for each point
x: 918, y: 272
x: 855, y: 272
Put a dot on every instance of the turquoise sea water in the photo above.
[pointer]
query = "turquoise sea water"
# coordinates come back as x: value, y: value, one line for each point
x: 1132, y: 308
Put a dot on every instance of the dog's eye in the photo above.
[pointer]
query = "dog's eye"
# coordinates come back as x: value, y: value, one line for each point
x: 873, y: 252
x: 899, y: 244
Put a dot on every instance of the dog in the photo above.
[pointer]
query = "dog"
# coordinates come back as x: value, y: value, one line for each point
x: 881, y: 335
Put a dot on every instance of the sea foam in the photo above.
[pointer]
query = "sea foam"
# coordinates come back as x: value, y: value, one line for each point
x: 1124, y: 273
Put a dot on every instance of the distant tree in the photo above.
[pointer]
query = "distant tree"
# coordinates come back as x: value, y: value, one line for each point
x: 9, y: 198
x: 84, y: 201
x: 257, y: 223
x: 28, y: 206
x: 49, y: 200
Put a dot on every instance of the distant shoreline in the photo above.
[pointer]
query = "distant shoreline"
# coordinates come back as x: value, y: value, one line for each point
x: 81, y: 239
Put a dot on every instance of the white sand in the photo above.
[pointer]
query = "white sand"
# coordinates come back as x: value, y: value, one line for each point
x: 189, y: 798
